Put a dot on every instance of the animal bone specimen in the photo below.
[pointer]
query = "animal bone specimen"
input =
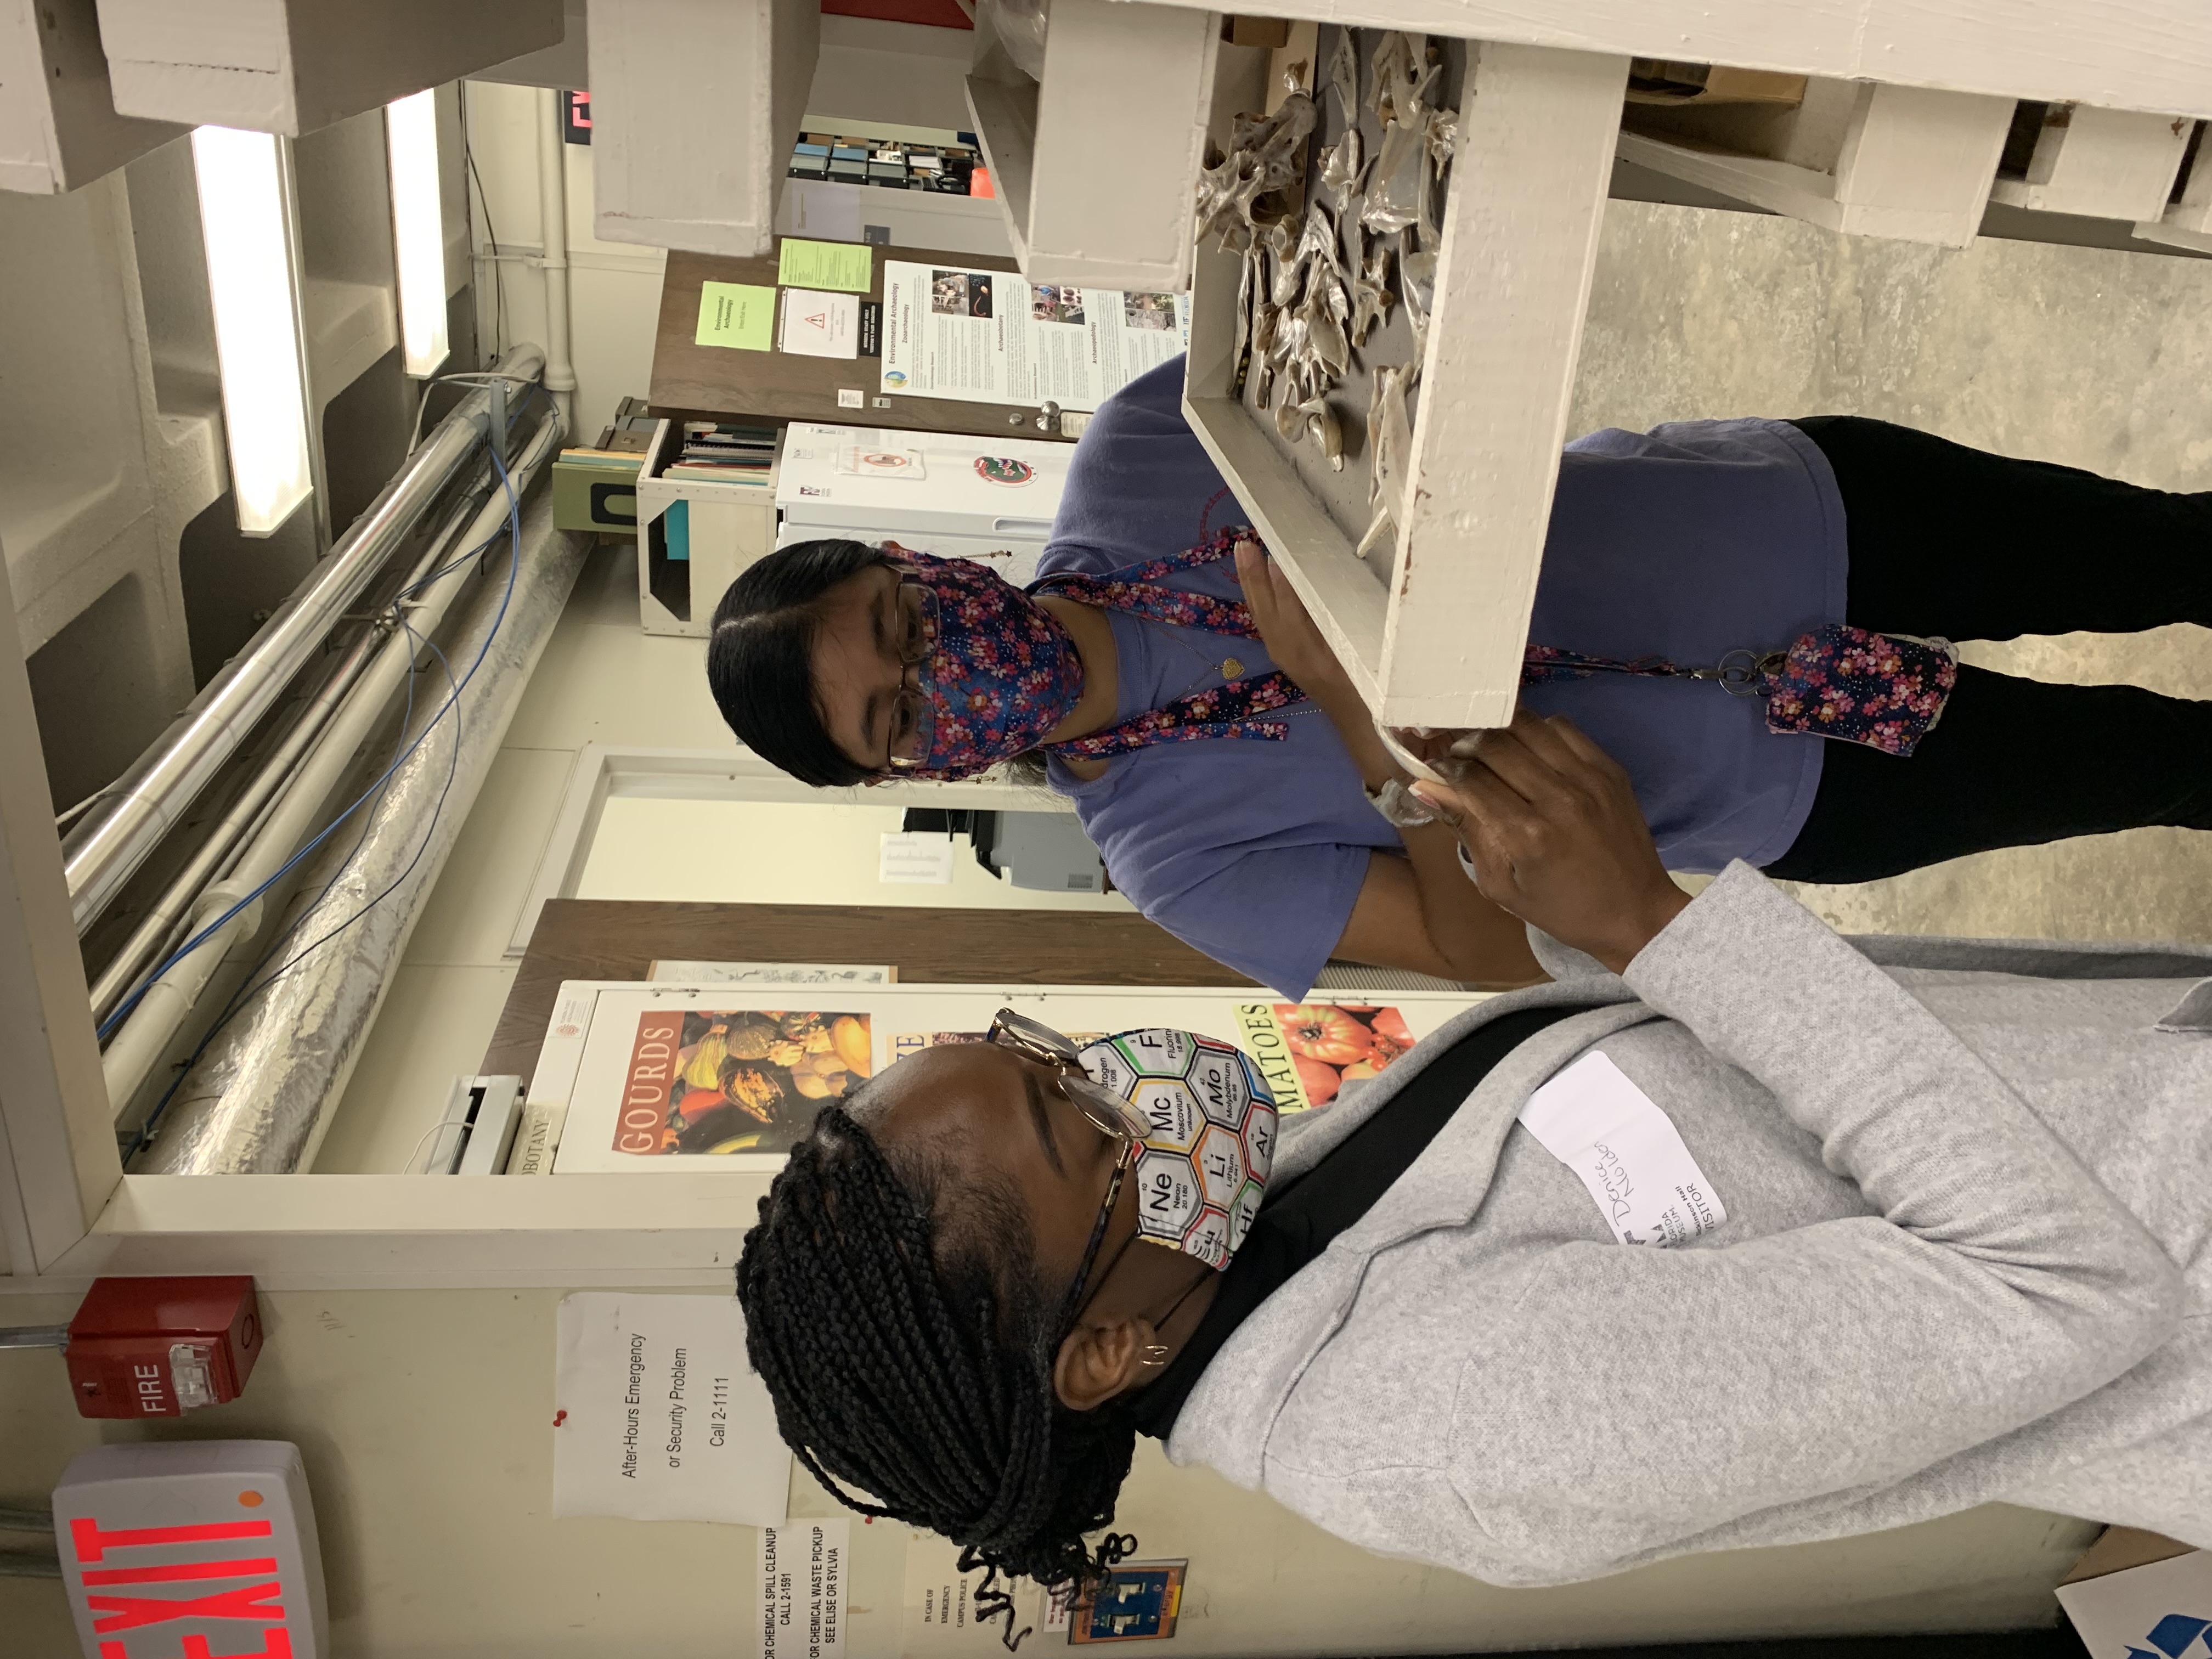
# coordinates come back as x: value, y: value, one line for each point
x: 1390, y: 452
x: 1341, y: 173
x: 1371, y: 298
x: 1344, y: 75
x: 1302, y: 308
x: 1261, y: 161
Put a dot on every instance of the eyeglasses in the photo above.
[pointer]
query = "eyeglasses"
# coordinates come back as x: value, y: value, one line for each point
x: 1105, y: 1111
x: 913, y: 636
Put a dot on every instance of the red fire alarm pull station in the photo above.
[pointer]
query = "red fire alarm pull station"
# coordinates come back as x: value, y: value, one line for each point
x: 154, y: 1347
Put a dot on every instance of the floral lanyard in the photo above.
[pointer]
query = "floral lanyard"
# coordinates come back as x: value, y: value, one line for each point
x: 1885, y: 690
x: 1226, y: 711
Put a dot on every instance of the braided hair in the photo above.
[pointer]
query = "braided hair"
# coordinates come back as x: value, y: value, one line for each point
x: 904, y: 1360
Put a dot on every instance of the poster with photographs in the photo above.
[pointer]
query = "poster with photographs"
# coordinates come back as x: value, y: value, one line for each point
x: 658, y: 1077
x: 989, y: 336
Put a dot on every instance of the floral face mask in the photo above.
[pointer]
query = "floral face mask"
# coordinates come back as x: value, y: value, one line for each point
x: 996, y: 673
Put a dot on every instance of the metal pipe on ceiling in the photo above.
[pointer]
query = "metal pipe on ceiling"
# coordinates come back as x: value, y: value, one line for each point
x: 158, y: 933
x: 141, y: 1042
x: 258, y: 1100
x: 107, y: 846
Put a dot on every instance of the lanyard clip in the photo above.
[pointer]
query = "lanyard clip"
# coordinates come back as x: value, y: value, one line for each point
x: 1745, y: 673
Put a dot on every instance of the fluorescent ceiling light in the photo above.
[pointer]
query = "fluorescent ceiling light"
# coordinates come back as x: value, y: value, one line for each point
x: 418, y: 230
x: 265, y: 402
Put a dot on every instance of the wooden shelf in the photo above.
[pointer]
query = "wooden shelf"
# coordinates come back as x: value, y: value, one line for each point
x: 2101, y: 163
x: 1440, y: 645
x: 1903, y: 162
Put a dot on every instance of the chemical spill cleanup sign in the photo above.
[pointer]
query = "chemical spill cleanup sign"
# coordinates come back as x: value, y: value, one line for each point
x: 656, y: 1416
x: 802, y: 1580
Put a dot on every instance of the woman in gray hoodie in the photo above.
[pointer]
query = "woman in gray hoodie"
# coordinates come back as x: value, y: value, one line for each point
x: 1735, y: 1233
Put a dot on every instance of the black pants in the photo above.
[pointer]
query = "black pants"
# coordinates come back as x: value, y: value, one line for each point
x: 1947, y: 540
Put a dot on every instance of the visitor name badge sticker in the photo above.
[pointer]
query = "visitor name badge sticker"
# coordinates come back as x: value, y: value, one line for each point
x: 1626, y: 1151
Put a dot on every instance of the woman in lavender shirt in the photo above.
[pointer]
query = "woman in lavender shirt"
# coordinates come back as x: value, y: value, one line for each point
x: 1688, y: 542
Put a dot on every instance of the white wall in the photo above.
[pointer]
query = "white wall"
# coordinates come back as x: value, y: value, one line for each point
x: 614, y: 287
x: 425, y: 1419
x: 741, y: 852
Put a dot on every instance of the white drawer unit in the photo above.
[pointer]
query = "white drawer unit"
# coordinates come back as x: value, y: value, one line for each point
x: 694, y: 537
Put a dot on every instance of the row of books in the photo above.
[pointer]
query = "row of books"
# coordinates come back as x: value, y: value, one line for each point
x: 949, y: 168
x: 722, y: 451
x: 622, y: 446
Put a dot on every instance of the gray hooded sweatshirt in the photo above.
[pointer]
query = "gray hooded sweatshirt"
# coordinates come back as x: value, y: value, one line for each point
x: 1967, y: 1257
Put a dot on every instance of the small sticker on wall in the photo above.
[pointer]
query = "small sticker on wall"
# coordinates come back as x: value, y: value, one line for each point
x: 850, y: 398
x: 1139, y: 1601
x: 923, y: 859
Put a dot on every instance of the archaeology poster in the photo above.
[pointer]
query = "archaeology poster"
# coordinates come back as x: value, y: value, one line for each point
x: 989, y: 336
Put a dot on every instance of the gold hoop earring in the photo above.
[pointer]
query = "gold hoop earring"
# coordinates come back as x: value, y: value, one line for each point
x: 1156, y: 1355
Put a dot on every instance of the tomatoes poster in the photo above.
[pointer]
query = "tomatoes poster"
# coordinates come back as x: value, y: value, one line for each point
x: 1308, y: 1051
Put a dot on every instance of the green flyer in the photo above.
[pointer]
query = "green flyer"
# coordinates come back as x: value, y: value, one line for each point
x: 847, y: 265
x: 736, y: 315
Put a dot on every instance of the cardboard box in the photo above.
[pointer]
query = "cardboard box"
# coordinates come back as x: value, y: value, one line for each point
x: 2137, y: 1595
x: 1269, y: 31
x: 1658, y: 80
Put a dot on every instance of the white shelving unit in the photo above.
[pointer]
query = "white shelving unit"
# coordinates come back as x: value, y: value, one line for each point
x: 2187, y: 222
x: 694, y: 110
x: 1909, y: 162
x: 1092, y: 164
x: 58, y: 125
x: 2107, y: 163
x: 1900, y: 135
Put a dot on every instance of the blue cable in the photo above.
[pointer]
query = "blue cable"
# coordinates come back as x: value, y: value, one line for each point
x: 124, y: 1008
x: 452, y: 772
x: 238, y: 1002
